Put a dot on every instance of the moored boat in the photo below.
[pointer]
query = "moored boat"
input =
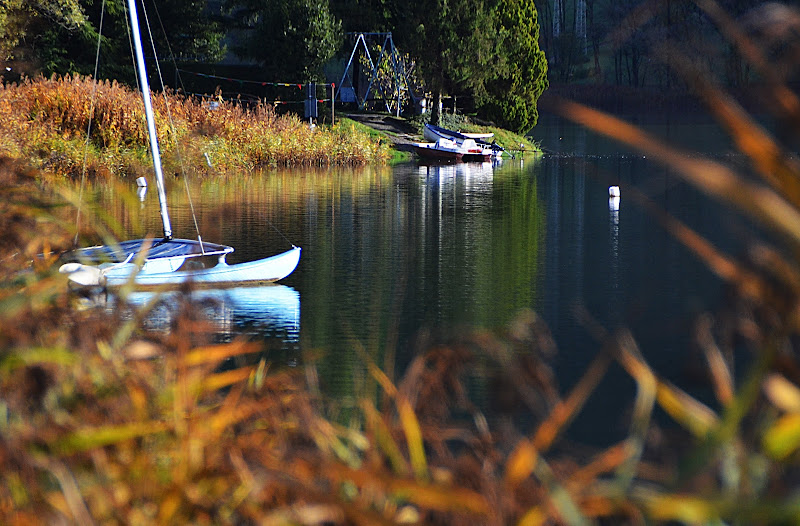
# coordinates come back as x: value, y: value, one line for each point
x: 448, y: 150
x: 434, y: 133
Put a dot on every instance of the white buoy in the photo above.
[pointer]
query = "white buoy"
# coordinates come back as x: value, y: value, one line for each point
x: 613, y: 191
x: 141, y: 182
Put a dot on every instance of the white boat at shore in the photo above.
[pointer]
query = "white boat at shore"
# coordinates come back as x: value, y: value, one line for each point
x: 448, y: 150
x: 434, y: 133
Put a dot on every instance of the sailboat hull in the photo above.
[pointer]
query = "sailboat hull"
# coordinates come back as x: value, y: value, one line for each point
x: 149, y: 262
x: 265, y: 270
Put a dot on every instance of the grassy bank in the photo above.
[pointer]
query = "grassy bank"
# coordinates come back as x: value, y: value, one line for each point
x: 404, y: 132
x: 513, y: 142
x: 45, y: 123
x: 383, y: 137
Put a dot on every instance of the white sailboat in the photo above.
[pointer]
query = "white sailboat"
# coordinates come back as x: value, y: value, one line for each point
x: 153, y: 262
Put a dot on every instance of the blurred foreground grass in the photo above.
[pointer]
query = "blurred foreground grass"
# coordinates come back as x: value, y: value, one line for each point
x: 102, y: 422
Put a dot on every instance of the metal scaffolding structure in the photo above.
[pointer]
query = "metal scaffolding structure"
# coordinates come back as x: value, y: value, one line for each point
x: 347, y: 90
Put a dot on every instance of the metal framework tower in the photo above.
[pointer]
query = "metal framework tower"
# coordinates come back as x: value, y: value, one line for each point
x: 347, y: 91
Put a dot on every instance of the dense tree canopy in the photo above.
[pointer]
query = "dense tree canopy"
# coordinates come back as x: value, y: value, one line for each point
x: 290, y: 39
x: 60, y: 36
x: 485, y: 52
x: 453, y: 48
x: 191, y: 31
x: 366, y: 15
x: 23, y: 21
x: 520, y: 73
x: 625, y: 42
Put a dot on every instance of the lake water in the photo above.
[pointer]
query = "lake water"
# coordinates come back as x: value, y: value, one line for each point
x: 394, y: 253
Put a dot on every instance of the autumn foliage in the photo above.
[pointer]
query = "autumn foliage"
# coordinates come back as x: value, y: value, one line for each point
x: 71, y: 125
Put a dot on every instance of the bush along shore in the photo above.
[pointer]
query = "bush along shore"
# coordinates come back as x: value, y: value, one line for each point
x: 45, y: 122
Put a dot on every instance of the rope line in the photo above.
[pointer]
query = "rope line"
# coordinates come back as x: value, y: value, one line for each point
x: 89, y: 126
x: 234, y: 99
x: 298, y: 85
x: 276, y: 229
x: 169, y: 49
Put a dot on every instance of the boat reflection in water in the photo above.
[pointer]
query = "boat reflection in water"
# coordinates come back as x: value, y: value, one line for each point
x: 270, y: 312
x: 472, y: 175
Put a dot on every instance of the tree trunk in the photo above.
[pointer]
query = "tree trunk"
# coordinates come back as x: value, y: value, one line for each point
x: 436, y: 111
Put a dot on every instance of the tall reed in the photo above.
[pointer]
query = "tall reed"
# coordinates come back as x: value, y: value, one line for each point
x: 47, y: 122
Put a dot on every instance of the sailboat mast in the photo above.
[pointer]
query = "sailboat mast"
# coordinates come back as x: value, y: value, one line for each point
x: 151, y: 124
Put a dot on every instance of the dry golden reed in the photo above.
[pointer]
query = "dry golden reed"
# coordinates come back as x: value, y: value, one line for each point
x: 47, y: 122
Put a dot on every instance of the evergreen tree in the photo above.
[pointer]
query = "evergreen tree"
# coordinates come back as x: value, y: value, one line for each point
x: 359, y: 16
x: 485, y: 50
x: 452, y: 41
x: 520, y: 73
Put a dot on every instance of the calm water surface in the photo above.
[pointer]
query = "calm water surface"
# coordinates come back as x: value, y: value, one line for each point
x: 392, y: 254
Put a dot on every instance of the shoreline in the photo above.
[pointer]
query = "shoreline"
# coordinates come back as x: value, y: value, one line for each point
x: 402, y: 134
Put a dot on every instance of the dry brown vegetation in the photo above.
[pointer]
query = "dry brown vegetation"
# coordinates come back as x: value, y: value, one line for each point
x: 46, y: 122
x: 101, y: 422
